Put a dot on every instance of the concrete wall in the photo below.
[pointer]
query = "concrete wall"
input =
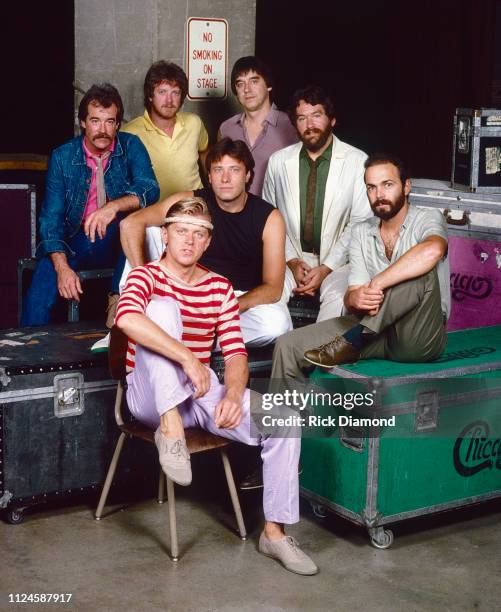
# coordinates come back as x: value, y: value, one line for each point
x: 117, y: 41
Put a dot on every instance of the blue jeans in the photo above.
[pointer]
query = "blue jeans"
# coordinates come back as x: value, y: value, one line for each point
x: 43, y: 293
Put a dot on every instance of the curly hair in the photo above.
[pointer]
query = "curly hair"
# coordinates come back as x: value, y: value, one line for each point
x: 164, y: 71
x: 313, y: 94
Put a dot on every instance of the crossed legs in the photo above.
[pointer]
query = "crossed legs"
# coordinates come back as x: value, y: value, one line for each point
x: 158, y: 386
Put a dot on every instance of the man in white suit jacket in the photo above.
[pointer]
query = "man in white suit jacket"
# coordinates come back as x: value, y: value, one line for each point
x: 318, y: 229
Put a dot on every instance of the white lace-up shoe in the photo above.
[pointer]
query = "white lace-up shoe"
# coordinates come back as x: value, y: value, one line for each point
x: 289, y: 554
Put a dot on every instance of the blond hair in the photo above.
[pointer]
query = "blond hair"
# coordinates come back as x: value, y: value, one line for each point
x: 189, y: 206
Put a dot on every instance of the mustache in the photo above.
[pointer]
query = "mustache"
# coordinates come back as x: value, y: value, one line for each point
x: 382, y: 201
x: 102, y: 136
x: 312, y: 131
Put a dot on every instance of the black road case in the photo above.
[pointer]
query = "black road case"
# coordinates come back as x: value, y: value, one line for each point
x: 476, y: 150
x: 57, y: 425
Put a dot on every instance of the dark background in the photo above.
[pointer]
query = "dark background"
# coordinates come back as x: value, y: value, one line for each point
x: 397, y: 70
x: 37, y: 67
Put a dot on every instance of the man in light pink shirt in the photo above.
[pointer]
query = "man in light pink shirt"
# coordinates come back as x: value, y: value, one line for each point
x: 92, y: 199
x: 262, y: 127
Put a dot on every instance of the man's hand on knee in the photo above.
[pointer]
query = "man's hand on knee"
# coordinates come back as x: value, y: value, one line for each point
x: 364, y: 298
x: 198, y: 374
x: 228, y: 412
x: 98, y: 221
x: 68, y: 284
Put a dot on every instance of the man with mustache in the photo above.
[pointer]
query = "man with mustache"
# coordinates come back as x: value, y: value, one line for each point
x: 92, y: 182
x: 175, y: 140
x: 399, y: 293
x: 318, y: 186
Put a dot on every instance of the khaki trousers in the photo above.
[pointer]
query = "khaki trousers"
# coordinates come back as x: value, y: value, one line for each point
x: 408, y: 327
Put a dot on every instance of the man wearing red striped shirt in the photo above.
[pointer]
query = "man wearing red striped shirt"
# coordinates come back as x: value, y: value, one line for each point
x: 172, y: 310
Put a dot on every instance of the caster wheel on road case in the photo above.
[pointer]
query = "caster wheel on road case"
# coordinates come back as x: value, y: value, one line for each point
x: 318, y: 510
x: 14, y: 516
x: 382, y: 539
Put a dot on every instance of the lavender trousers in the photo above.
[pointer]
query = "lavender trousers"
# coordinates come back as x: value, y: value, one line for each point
x: 158, y: 384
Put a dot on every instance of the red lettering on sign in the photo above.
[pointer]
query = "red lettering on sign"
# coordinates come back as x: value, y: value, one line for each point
x: 207, y: 54
x: 207, y: 36
x: 205, y: 83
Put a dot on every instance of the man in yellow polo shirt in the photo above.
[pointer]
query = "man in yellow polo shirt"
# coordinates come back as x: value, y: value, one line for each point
x: 174, y: 139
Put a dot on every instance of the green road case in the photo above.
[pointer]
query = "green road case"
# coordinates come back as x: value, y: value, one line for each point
x: 431, y: 440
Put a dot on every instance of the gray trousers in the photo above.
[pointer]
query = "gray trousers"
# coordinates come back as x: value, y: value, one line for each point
x: 408, y: 327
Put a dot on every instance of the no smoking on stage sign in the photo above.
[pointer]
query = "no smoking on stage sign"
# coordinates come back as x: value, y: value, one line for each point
x: 207, y: 56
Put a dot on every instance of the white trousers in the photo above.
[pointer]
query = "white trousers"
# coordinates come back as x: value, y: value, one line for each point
x: 260, y: 325
x: 332, y: 289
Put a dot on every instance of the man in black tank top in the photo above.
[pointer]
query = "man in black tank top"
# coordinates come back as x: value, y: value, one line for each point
x: 248, y: 241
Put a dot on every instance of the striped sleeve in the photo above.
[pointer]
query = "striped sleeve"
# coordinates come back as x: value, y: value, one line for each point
x: 228, y: 327
x: 136, y: 293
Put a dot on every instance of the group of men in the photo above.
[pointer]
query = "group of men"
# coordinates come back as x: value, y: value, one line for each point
x: 287, y: 209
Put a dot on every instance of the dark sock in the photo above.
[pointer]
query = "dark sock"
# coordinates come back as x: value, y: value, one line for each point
x: 356, y: 337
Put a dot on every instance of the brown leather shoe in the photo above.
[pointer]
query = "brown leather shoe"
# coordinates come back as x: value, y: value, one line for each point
x: 333, y: 353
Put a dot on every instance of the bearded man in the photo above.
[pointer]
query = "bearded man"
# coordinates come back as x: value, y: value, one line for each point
x: 318, y: 186
x: 398, y: 294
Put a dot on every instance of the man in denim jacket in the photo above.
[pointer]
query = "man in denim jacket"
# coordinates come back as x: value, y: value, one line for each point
x: 92, y: 182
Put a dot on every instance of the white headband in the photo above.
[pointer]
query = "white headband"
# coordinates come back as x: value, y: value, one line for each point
x: 190, y: 220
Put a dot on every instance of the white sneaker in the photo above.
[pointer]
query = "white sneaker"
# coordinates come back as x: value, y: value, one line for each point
x: 102, y: 345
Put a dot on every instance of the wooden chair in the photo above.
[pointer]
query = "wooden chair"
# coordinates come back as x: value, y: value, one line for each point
x: 197, y: 440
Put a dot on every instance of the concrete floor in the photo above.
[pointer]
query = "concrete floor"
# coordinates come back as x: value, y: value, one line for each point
x: 450, y: 562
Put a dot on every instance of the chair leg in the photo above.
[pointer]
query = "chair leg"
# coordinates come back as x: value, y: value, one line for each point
x: 161, y: 487
x: 109, y: 476
x: 233, y: 494
x: 73, y: 311
x: 174, y: 550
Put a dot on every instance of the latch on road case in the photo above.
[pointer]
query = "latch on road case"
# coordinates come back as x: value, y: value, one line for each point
x: 5, y: 499
x: 4, y: 379
x: 426, y: 411
x: 352, y: 437
x: 68, y: 394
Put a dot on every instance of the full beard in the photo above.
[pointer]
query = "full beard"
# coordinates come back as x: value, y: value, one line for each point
x: 395, y: 208
x: 323, y: 137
